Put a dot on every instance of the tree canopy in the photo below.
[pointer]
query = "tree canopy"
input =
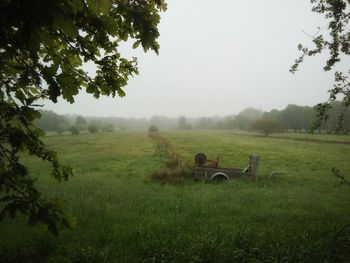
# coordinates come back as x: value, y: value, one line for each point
x: 335, y: 39
x: 265, y: 125
x: 43, y: 48
x: 51, y: 121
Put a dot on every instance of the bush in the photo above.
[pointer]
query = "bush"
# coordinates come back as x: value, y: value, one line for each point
x: 153, y: 128
x: 74, y: 130
x: 93, y: 128
x: 108, y: 128
x: 265, y: 125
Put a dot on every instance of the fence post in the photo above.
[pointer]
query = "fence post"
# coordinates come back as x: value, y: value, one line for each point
x: 254, y: 165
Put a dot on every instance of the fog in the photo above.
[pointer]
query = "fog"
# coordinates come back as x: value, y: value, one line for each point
x: 217, y: 58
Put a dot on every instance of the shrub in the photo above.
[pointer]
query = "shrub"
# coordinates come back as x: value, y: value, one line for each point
x: 93, y: 128
x: 108, y: 128
x: 74, y: 130
x: 265, y: 125
x: 153, y: 128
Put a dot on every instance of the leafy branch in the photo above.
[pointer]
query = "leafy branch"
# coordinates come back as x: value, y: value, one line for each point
x: 336, y: 41
x: 43, y: 48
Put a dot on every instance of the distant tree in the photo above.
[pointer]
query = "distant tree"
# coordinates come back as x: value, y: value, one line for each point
x: 266, y: 126
x: 251, y: 113
x: 81, y: 123
x: 108, y: 128
x: 243, y: 122
x: 183, y: 125
x: 332, y: 124
x: 50, y: 121
x: 206, y: 123
x: 62, y: 127
x: 245, y: 118
x: 335, y: 41
x: 153, y: 128
x: 228, y: 123
x: 346, y: 122
x: 80, y: 120
x: 164, y: 122
x: 93, y: 128
x: 297, y: 118
x: 98, y: 122
x: 74, y: 130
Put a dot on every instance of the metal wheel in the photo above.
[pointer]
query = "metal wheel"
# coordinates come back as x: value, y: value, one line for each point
x: 219, y: 177
x: 200, y: 159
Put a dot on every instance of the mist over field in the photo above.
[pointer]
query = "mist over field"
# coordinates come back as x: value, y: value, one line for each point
x: 216, y: 59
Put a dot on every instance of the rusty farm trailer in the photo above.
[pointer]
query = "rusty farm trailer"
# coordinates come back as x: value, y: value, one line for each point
x: 209, y: 169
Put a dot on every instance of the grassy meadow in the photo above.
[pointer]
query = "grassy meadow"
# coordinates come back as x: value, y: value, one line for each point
x: 125, y: 216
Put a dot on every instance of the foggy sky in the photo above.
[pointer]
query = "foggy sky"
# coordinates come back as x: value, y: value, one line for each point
x: 217, y: 58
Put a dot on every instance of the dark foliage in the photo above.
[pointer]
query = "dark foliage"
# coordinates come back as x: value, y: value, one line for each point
x: 153, y: 128
x: 43, y: 46
x: 93, y: 128
x: 50, y: 121
x: 265, y: 125
x: 74, y: 130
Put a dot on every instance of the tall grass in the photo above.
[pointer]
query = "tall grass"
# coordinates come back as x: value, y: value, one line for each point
x: 174, y: 170
x: 123, y: 216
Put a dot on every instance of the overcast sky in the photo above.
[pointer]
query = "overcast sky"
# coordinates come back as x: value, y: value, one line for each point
x: 217, y: 58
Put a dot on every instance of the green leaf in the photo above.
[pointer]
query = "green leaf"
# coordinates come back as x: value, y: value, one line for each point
x: 54, y: 91
x: 45, y: 43
x: 2, y: 214
x: 66, y: 25
x: 34, y: 40
x: 136, y: 44
x: 75, y: 60
x: 104, y: 6
x: 77, y: 5
x: 52, y: 227
x: 30, y: 113
x: 110, y: 25
x: 20, y: 169
x: 93, y: 6
x: 50, y: 71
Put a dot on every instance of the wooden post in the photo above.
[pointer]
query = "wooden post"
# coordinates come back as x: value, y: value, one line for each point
x: 254, y: 165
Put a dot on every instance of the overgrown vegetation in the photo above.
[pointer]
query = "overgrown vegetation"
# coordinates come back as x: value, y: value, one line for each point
x: 175, y: 170
x: 153, y: 129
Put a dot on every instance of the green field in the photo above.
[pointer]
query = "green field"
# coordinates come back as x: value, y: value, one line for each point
x: 303, y: 136
x: 125, y: 216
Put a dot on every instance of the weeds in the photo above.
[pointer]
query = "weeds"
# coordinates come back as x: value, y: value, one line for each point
x: 175, y: 169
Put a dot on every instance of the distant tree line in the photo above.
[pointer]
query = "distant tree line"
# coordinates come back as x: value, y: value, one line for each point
x: 53, y: 122
x: 50, y: 121
x: 302, y: 118
x: 293, y: 118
